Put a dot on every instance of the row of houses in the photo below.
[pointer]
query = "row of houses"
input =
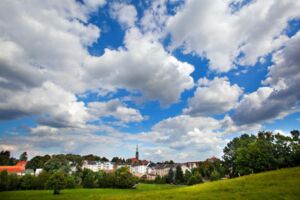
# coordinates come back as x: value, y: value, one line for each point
x: 148, y: 171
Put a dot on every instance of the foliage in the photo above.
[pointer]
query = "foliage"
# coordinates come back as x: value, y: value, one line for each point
x: 57, y: 182
x: 170, y: 176
x: 3, y: 180
x: 251, y: 154
x: 195, y: 179
x: 5, y: 158
x: 88, y: 179
x: 179, y: 179
x: 124, y: 179
x: 57, y: 164
x: 28, y: 182
x: 24, y: 156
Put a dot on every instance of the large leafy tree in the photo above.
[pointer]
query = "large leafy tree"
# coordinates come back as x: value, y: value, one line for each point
x: 57, y: 182
x: 57, y: 164
x: 266, y: 151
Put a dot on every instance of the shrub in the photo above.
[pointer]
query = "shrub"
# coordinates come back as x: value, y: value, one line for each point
x: 3, y: 180
x: 89, y: 179
x: 13, y: 182
x: 195, y: 179
x: 57, y: 182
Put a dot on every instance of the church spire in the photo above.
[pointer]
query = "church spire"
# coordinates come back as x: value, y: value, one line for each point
x: 137, y: 152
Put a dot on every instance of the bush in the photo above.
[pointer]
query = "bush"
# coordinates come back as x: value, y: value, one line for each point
x: 124, y: 179
x: 13, y: 182
x: 195, y: 179
x: 215, y: 175
x: 57, y: 182
x: 89, y: 179
x: 41, y: 179
x: 3, y: 180
x: 28, y: 182
x: 70, y: 182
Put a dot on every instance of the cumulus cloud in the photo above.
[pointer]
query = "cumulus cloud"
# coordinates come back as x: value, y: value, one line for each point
x: 116, y: 109
x: 126, y: 14
x: 34, y: 66
x: 226, y: 37
x: 280, y: 96
x: 49, y: 99
x: 215, y: 96
x: 143, y: 66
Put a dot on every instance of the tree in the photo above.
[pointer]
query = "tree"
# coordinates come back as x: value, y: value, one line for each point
x: 215, y: 175
x: 4, y: 157
x: 23, y: 156
x: 57, y: 164
x: 187, y: 176
x: 13, y: 181
x: 70, y: 182
x: 41, y: 179
x: 179, y: 175
x: 89, y: 179
x: 35, y: 163
x: 57, y: 182
x: 195, y: 179
x: 28, y: 182
x: 170, y: 176
x: 3, y: 180
x: 124, y: 179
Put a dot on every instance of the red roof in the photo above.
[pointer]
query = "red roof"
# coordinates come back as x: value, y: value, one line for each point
x: 19, y: 167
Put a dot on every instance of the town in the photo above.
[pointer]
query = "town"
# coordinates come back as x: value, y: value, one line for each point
x: 142, y: 169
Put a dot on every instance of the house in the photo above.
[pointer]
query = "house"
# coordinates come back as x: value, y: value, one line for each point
x: 19, y: 168
x: 96, y: 166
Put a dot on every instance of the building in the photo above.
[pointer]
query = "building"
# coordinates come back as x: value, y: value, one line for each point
x: 19, y: 168
x: 96, y: 166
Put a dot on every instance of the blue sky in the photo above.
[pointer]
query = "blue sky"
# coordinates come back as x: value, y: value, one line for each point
x: 179, y: 78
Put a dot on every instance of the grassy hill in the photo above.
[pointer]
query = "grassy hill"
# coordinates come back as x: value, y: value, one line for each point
x: 280, y: 184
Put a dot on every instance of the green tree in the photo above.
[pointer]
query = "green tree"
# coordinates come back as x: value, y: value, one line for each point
x: 57, y: 164
x: 3, y: 180
x: 70, y: 182
x: 215, y: 175
x: 195, y: 179
x: 35, y: 163
x: 41, y: 179
x: 187, y: 176
x: 179, y: 175
x: 89, y: 179
x: 124, y: 179
x: 13, y: 181
x: 56, y: 182
x: 28, y: 182
x: 170, y: 176
x: 23, y: 156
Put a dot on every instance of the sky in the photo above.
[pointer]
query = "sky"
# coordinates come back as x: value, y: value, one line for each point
x: 178, y: 78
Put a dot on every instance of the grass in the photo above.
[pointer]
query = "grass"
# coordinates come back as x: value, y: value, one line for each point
x: 280, y: 184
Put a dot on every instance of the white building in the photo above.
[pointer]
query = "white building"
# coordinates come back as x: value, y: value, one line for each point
x: 139, y: 169
x: 96, y: 166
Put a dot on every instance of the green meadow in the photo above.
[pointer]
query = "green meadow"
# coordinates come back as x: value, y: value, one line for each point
x: 279, y: 184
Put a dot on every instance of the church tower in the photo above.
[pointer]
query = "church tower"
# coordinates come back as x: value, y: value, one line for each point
x: 137, y: 152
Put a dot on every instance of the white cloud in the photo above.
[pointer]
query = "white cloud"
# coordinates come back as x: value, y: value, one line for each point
x: 143, y: 66
x: 280, y: 96
x: 116, y: 109
x: 55, y: 105
x: 215, y: 96
x: 126, y: 14
x: 220, y: 35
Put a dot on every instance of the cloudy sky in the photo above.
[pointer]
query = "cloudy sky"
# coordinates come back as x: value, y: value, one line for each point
x: 179, y: 78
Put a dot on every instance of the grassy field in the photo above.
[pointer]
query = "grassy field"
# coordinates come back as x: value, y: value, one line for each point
x: 280, y: 184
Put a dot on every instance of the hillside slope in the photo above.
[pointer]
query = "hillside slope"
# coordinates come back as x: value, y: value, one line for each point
x: 280, y: 184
